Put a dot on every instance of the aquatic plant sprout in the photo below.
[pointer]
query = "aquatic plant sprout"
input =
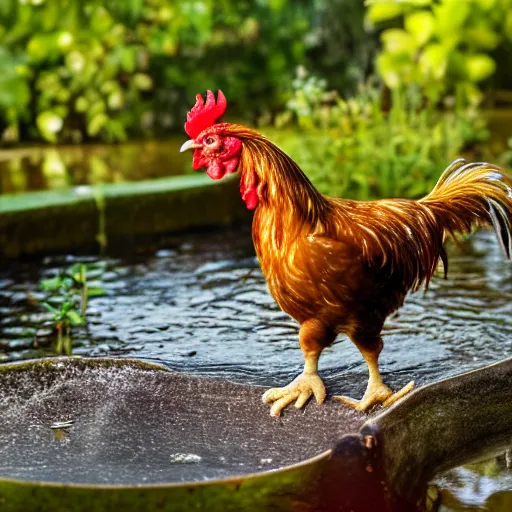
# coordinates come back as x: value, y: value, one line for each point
x: 68, y: 295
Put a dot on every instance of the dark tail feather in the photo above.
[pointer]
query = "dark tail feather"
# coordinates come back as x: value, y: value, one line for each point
x: 468, y: 195
x: 501, y: 225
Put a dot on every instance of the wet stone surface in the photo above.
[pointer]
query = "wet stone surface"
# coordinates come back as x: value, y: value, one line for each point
x: 200, y: 304
x: 127, y: 425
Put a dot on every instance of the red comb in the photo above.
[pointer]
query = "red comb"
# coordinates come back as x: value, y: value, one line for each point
x: 202, y: 115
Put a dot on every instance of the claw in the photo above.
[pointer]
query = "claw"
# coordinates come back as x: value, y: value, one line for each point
x: 273, y: 394
x: 282, y: 403
x: 399, y: 394
x: 303, y: 398
x: 375, y: 395
x: 299, y: 391
x: 351, y: 402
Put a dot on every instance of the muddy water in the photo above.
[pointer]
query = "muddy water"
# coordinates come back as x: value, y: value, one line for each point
x: 200, y: 304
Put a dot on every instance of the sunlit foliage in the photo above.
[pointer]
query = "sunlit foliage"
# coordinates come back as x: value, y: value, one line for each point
x: 444, y: 46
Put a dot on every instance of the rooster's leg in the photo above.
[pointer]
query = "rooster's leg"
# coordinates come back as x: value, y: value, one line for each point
x: 313, y: 338
x: 376, y: 392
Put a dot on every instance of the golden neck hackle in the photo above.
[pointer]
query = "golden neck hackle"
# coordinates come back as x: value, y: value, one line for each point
x: 286, y: 196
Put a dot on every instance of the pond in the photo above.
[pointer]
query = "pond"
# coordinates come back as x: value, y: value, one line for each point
x: 199, y: 303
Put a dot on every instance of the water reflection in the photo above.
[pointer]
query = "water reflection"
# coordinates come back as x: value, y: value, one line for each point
x: 482, y: 486
x: 40, y: 168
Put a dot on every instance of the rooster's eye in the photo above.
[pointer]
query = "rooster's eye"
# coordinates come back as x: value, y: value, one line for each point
x: 209, y: 141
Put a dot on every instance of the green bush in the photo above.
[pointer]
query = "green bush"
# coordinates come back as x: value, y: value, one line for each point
x: 81, y: 72
x: 72, y: 70
x: 445, y: 46
x: 75, y: 70
x: 352, y: 148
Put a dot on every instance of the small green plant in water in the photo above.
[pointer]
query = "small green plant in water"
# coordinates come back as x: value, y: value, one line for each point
x: 67, y: 300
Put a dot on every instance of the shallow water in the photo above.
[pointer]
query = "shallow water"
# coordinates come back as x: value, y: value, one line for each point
x: 199, y: 303
x: 482, y: 486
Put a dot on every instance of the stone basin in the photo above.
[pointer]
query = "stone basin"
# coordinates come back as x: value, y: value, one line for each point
x: 112, y: 434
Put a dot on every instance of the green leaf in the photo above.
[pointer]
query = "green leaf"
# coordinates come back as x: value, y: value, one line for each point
x: 128, y: 60
x: 75, y: 318
x: 450, y: 17
x: 75, y: 62
x: 49, y: 125
x: 81, y: 104
x: 486, y: 4
x: 65, y: 41
x: 481, y: 37
x: 433, y: 61
x: 115, y: 100
x: 49, y: 308
x: 381, y: 12
x: 479, y: 67
x: 96, y: 124
x: 14, y: 90
x: 142, y: 81
x: 420, y: 25
x: 96, y: 292
x: 50, y: 285
x: 100, y: 21
x: 276, y: 5
x: 388, y: 68
x: 97, y: 107
x: 398, y: 41
x: 471, y: 93
x: 38, y: 48
x: 74, y: 269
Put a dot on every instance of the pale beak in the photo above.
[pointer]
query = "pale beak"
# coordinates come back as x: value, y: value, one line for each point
x: 190, y: 144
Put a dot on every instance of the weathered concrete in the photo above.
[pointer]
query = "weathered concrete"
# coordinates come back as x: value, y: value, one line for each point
x: 62, y: 220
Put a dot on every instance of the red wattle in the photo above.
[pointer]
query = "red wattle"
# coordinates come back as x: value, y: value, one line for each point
x: 215, y: 169
x: 250, y: 198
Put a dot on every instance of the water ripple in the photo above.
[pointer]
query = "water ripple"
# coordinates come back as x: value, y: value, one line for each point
x: 202, y: 304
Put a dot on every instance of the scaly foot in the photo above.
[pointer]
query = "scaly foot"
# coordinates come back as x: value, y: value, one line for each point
x: 299, y: 390
x: 374, y: 395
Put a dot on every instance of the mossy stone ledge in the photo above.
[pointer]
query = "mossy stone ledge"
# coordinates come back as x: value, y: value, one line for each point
x: 77, y: 217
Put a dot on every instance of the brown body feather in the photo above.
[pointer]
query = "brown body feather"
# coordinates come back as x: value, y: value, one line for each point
x: 346, y: 265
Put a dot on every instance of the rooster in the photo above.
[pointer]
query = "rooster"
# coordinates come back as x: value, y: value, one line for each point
x: 342, y: 266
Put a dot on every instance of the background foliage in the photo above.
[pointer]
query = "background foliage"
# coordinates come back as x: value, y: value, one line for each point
x: 78, y: 69
x: 377, y: 96
x: 445, y: 46
x: 352, y: 148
